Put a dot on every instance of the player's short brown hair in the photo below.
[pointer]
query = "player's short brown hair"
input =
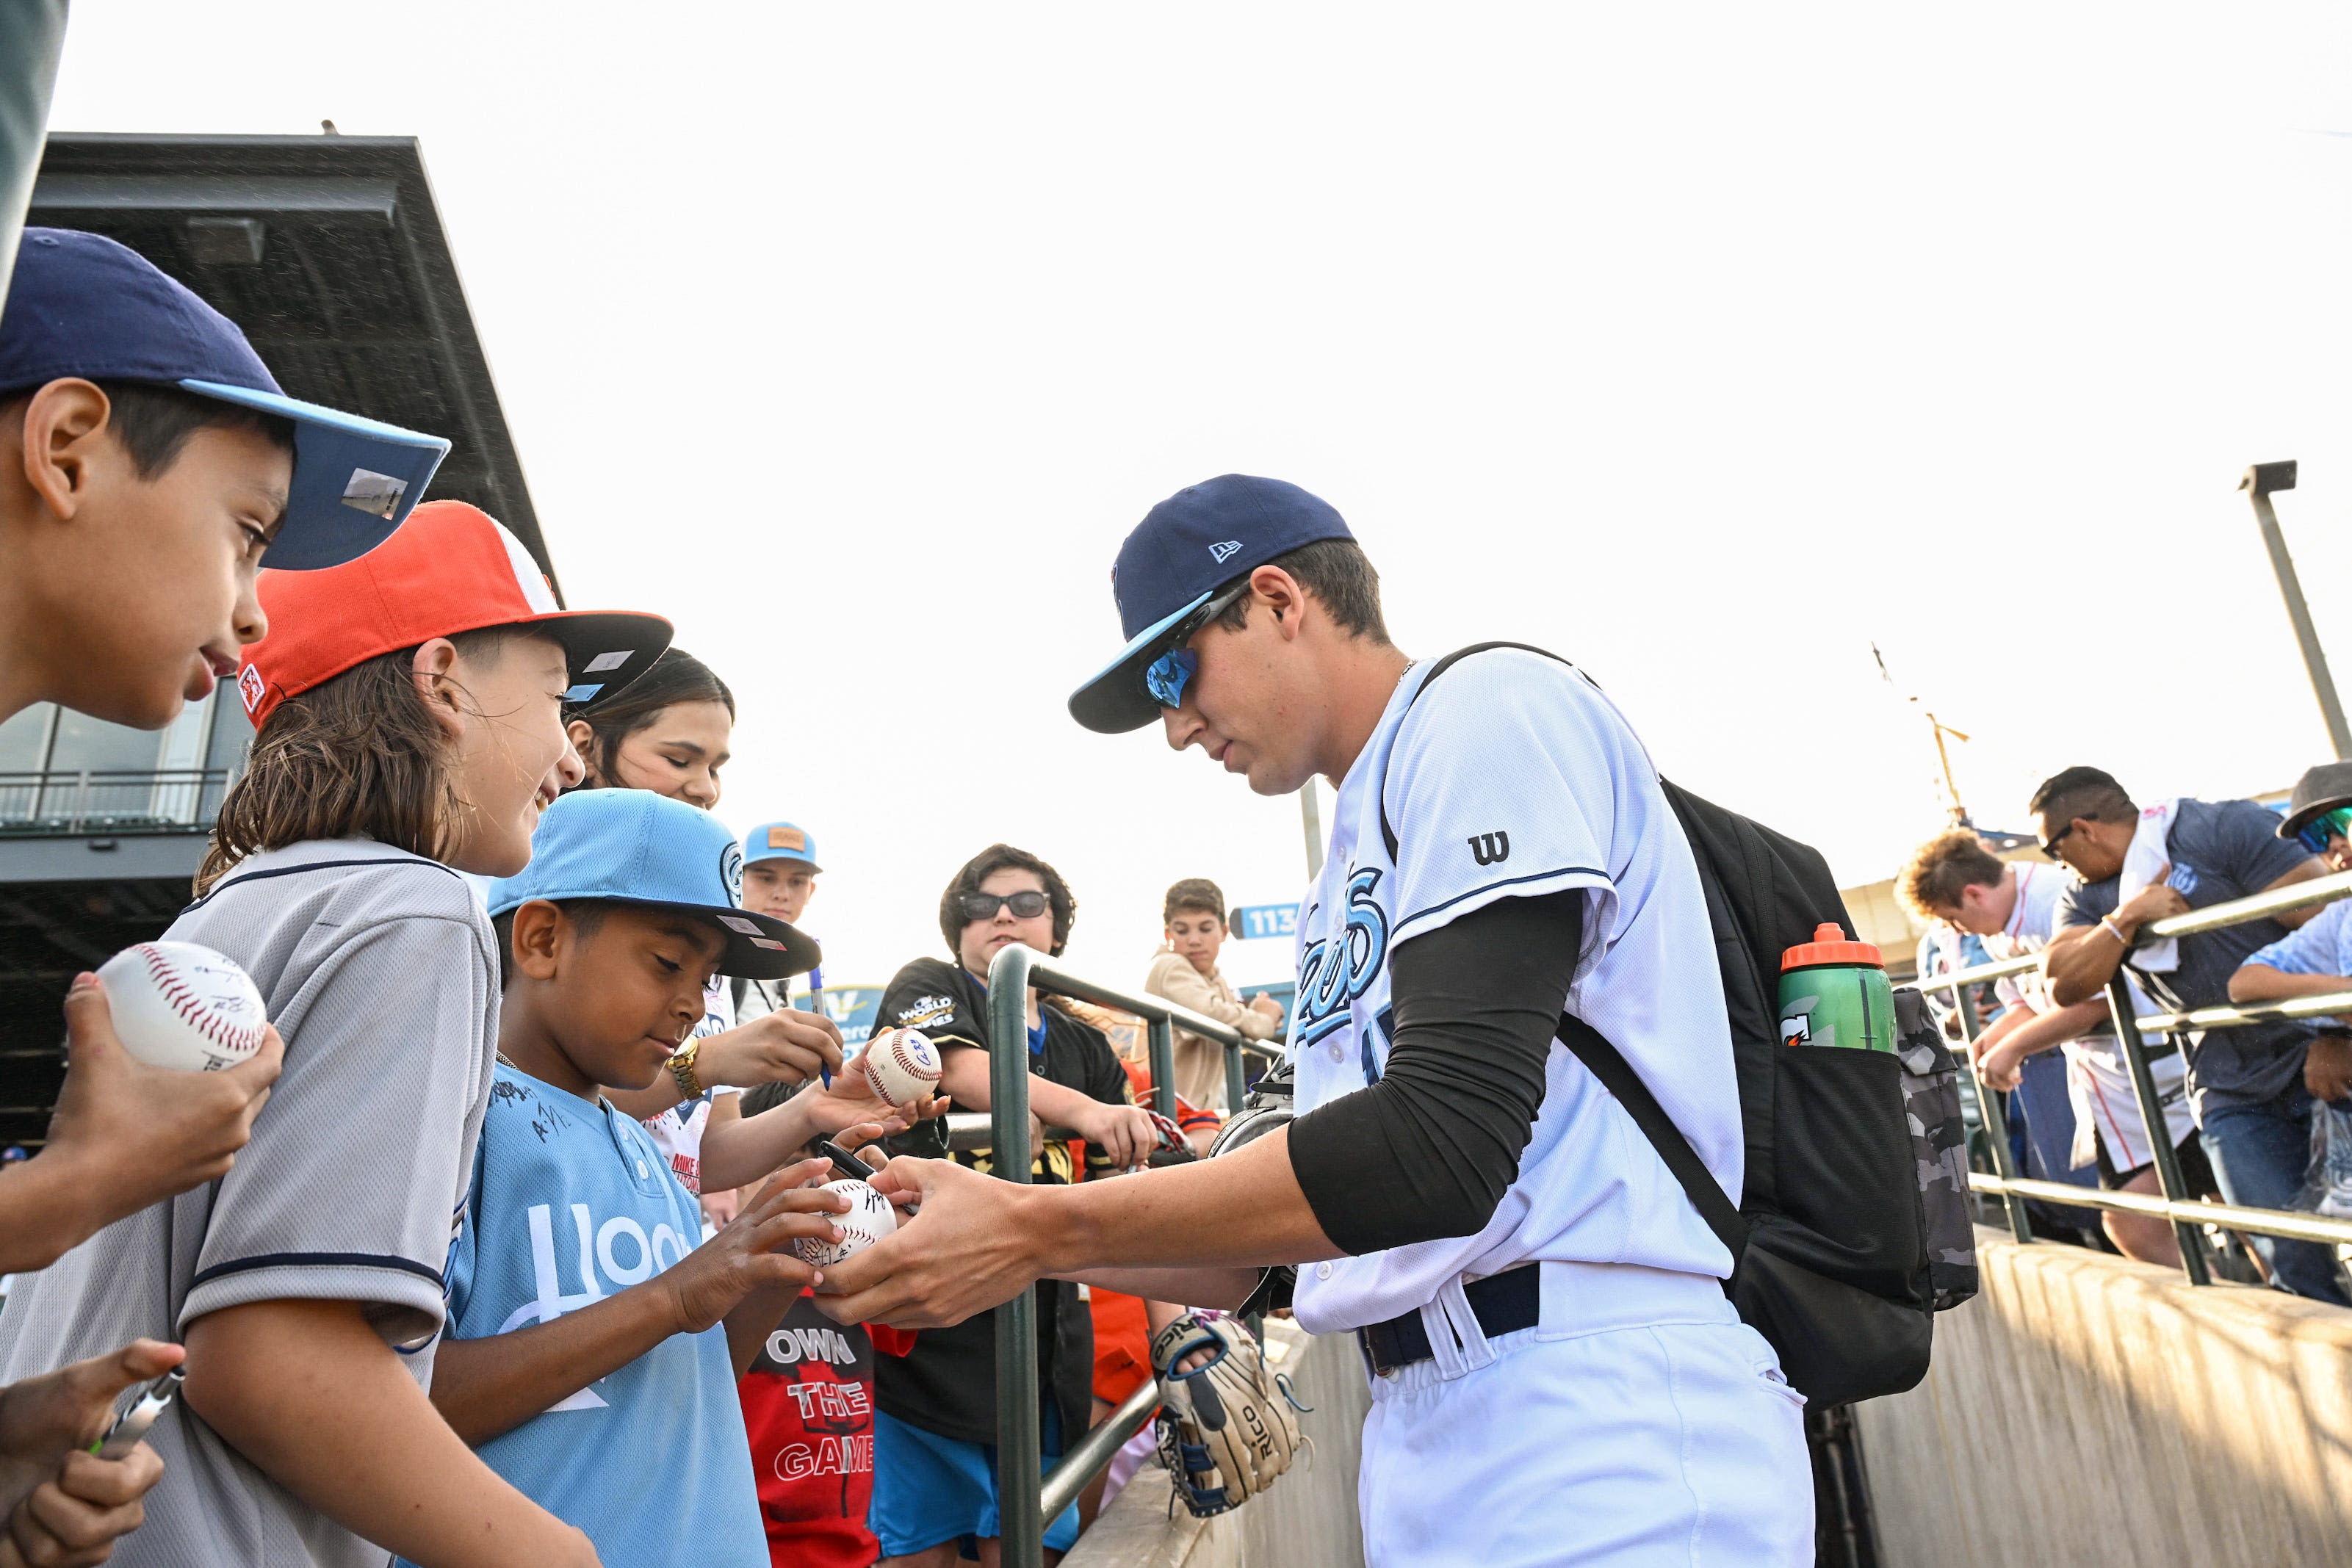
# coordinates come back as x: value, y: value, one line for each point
x: 1343, y: 580
x: 1197, y: 892
x: 359, y: 755
x: 1942, y: 869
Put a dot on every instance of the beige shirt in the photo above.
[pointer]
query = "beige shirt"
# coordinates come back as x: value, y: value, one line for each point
x: 1201, y: 1063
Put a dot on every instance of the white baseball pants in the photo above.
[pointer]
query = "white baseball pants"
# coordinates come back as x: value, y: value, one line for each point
x: 1640, y: 1423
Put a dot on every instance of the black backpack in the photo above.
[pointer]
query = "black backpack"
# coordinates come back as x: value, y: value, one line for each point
x: 1831, y: 1242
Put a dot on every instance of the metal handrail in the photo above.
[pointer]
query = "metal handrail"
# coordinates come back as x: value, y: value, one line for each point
x: 2188, y: 1216
x: 61, y: 801
x: 1096, y: 1449
x: 1020, y: 1491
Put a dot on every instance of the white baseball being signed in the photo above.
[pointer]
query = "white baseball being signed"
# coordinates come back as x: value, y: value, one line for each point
x: 869, y: 1219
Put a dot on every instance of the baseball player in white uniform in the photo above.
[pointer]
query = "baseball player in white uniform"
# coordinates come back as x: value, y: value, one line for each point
x: 1557, y: 1376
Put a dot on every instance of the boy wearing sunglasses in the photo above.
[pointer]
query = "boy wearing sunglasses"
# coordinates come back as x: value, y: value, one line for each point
x: 2316, y: 960
x: 934, y: 1471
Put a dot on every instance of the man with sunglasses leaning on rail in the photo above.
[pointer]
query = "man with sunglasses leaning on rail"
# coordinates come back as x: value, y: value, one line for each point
x: 2245, y: 1085
x: 1557, y: 1376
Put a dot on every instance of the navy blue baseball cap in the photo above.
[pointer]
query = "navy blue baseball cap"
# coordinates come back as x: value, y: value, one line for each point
x: 1201, y: 541
x: 82, y: 304
x: 633, y: 846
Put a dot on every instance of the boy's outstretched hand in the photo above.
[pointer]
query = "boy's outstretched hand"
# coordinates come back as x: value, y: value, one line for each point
x: 753, y: 1251
x: 65, y: 1505
x: 124, y: 1135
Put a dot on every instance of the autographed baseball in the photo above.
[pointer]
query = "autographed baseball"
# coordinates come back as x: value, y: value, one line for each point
x: 182, y: 1005
x: 869, y: 1219
x: 903, y: 1065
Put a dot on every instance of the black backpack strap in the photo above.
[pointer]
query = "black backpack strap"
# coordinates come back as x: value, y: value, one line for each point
x: 1388, y: 833
x: 1617, y: 1076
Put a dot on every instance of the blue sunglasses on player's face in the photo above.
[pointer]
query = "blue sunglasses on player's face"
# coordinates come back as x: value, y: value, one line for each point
x: 2316, y: 833
x: 1167, y: 677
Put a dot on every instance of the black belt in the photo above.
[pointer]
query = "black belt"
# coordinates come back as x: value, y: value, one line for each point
x: 1503, y: 1303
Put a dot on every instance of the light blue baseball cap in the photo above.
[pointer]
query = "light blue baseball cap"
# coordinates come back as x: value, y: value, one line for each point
x: 633, y: 846
x: 780, y: 841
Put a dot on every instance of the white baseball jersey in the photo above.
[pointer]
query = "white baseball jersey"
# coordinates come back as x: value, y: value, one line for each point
x: 1515, y: 776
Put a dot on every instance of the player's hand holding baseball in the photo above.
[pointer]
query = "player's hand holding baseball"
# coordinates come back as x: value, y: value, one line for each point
x: 963, y: 1254
x: 65, y: 1505
x: 786, y: 1046
x: 753, y: 1251
x: 124, y: 1135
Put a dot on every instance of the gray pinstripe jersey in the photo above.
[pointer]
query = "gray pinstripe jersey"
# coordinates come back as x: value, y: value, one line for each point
x: 379, y: 970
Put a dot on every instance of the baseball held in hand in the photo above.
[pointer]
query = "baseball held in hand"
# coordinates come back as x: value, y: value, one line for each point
x: 869, y: 1219
x: 903, y: 1065
x: 181, y: 1005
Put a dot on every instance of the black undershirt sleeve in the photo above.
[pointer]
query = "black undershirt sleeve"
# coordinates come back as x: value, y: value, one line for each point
x: 1430, y: 1149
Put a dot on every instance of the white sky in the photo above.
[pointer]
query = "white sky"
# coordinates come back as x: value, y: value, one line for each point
x: 1702, y: 345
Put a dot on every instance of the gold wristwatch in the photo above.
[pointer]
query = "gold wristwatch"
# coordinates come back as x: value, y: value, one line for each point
x: 681, y: 1068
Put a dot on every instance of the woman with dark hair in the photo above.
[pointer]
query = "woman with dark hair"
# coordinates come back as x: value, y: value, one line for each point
x: 934, y: 1479
x: 667, y: 732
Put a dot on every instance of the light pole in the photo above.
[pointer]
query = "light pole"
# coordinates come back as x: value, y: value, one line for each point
x: 2261, y: 480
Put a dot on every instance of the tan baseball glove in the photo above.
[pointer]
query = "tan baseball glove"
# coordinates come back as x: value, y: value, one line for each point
x: 1225, y: 1426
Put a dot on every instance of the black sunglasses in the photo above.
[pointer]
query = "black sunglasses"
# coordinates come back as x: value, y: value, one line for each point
x: 2050, y: 845
x: 1027, y: 904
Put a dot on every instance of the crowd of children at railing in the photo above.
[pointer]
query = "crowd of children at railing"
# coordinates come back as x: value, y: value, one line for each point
x: 2259, y: 1114
x: 525, y: 1296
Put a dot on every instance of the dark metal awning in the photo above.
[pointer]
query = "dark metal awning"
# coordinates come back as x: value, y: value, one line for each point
x: 328, y: 250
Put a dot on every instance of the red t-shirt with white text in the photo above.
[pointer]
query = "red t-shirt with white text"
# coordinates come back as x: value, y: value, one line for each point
x: 808, y: 1408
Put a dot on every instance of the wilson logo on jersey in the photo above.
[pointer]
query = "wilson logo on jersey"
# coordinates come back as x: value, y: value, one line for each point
x: 1337, y: 969
x: 1490, y: 849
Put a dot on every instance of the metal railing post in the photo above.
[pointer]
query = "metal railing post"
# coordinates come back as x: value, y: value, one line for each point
x: 1019, y: 1447
x: 1236, y: 1079
x: 1996, y: 1122
x: 1160, y: 1036
x: 2152, y: 1121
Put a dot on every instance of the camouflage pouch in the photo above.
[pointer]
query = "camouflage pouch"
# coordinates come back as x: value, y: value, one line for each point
x: 1931, y: 1103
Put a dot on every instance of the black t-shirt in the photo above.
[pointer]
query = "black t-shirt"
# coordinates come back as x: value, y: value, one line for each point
x: 948, y: 1383
x: 2219, y: 850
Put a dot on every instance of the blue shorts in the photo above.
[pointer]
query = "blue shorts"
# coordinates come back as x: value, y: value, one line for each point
x: 928, y: 1488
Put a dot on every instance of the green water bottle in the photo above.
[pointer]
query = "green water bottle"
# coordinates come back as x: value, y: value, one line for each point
x: 1834, y: 992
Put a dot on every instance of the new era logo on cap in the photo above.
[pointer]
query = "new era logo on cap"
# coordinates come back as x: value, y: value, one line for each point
x: 1225, y: 552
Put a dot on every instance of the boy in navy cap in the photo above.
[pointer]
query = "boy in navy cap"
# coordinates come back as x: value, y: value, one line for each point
x: 145, y: 450
x: 147, y: 461
x: 589, y: 1336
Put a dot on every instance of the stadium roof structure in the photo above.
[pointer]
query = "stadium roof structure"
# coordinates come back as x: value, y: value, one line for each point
x: 329, y: 251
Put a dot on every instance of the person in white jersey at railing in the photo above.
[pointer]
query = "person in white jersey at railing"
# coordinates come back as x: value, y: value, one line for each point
x: 2012, y: 908
x: 1561, y: 1378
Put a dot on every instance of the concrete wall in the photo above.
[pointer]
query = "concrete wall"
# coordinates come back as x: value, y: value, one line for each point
x: 2085, y: 1410
x: 1306, y: 1521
